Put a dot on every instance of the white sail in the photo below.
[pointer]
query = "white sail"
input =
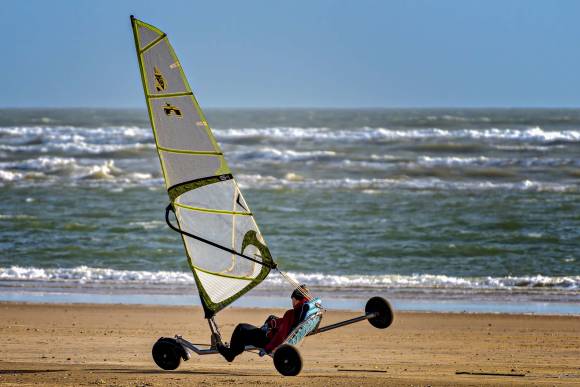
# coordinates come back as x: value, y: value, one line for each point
x: 226, y: 252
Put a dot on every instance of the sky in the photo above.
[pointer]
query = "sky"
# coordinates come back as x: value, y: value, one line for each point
x: 311, y: 53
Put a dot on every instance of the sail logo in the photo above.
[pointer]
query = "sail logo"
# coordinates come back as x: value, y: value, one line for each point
x: 171, y: 110
x: 160, y: 83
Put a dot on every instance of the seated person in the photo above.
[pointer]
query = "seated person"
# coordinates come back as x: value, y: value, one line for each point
x: 272, y: 333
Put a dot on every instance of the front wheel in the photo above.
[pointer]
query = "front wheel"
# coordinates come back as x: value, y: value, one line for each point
x: 382, y: 310
x: 167, y: 353
x: 287, y: 360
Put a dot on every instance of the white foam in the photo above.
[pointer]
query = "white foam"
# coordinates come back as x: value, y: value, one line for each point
x: 17, y: 216
x: 49, y: 168
x: 257, y: 181
x: 279, y: 155
x: 88, y: 275
x: 483, y: 161
x: 534, y: 134
x: 10, y: 176
x: 72, y: 140
x: 76, y: 133
x: 107, y: 170
x: 153, y: 224
x: 75, y: 140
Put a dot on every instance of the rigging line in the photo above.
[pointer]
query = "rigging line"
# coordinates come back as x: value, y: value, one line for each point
x: 170, y: 208
x: 305, y: 293
x: 296, y: 285
x: 291, y: 280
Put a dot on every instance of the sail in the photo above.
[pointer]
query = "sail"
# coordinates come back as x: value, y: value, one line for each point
x: 217, y: 226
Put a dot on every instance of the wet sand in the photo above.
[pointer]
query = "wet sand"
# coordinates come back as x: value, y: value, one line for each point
x: 71, y: 345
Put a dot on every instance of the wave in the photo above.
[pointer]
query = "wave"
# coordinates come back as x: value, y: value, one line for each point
x: 270, y: 182
x: 17, y: 217
x: 269, y: 155
x: 89, y: 275
x: 74, y: 133
x: 483, y: 161
x: 113, y: 139
x: 44, y: 167
x: 72, y: 140
x: 458, y: 164
x: 533, y: 134
x: 57, y: 170
x: 52, y: 169
x: 81, y: 149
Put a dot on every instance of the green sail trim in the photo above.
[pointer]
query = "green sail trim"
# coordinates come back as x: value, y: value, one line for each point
x: 211, y: 308
x: 212, y: 210
x: 179, y: 189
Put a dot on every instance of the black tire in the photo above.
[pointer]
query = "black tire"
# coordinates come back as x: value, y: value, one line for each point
x: 167, y: 353
x: 382, y: 308
x: 287, y: 360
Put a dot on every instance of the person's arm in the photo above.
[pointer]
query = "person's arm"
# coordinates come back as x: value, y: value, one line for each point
x: 283, y: 329
x: 305, y: 308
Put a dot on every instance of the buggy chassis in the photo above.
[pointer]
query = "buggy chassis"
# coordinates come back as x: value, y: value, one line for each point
x: 168, y: 352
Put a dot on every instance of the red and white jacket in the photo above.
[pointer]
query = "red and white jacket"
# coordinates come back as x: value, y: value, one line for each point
x: 280, y: 328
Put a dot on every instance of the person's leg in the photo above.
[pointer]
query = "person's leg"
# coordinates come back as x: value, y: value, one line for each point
x: 244, y: 334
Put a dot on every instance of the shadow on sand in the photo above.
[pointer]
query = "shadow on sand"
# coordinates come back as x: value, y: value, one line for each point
x: 161, y: 372
x: 8, y: 372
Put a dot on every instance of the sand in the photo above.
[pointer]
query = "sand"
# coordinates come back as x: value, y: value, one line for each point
x: 71, y: 345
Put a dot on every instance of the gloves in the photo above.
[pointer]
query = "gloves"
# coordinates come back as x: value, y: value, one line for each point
x: 270, y: 319
x: 269, y: 324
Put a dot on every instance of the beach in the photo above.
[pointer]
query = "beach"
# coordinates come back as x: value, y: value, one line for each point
x: 83, y: 344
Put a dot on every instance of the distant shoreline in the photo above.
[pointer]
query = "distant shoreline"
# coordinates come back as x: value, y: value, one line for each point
x: 258, y: 299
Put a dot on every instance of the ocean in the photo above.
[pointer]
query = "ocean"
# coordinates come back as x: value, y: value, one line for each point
x: 435, y: 209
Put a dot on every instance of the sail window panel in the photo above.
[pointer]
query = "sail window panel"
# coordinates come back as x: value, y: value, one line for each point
x: 180, y: 168
x: 146, y: 35
x: 220, y: 288
x: 223, y: 230
x: 222, y: 196
x: 243, y: 224
x: 179, y: 126
x: 210, y: 258
x: 163, y: 71
x: 218, y: 261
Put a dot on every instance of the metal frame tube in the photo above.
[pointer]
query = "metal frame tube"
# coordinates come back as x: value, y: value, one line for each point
x: 203, y: 351
x: 190, y: 347
x: 343, y: 323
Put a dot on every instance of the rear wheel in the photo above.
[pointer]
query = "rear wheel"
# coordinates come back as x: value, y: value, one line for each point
x: 287, y: 360
x: 382, y: 310
x: 167, y: 353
